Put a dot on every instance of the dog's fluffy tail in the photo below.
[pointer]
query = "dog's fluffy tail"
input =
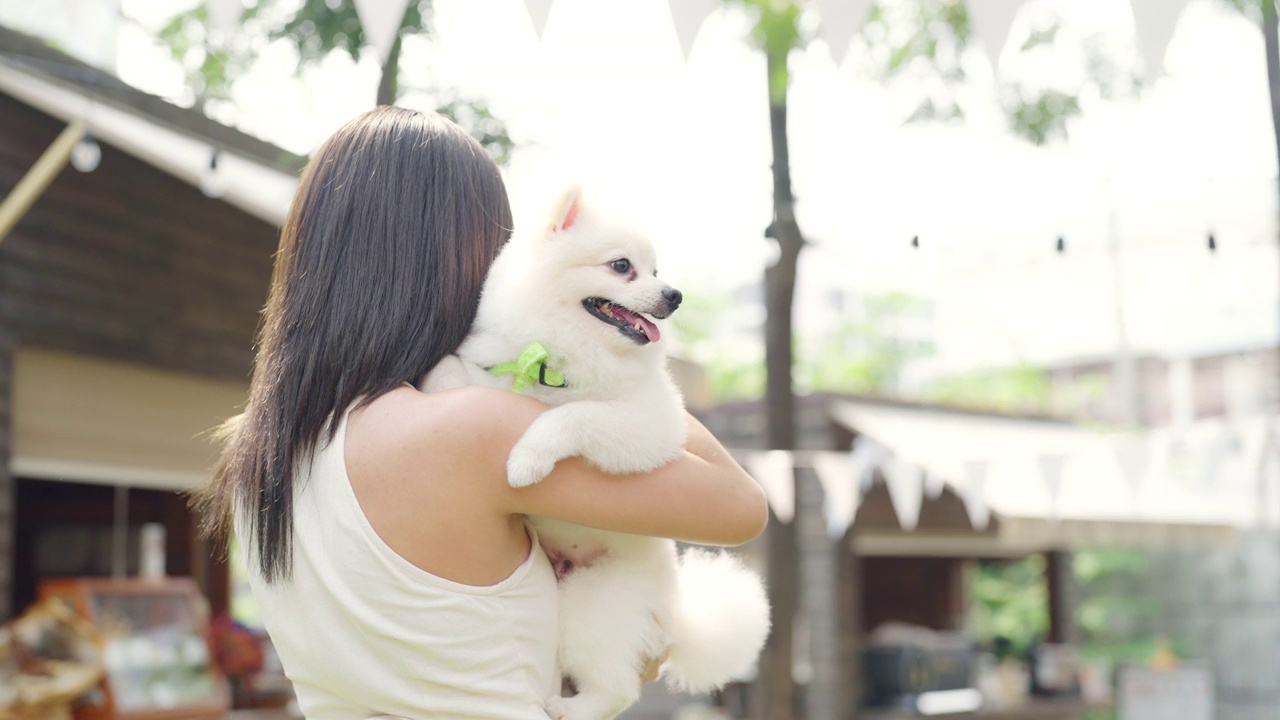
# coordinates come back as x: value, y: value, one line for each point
x: 720, y: 623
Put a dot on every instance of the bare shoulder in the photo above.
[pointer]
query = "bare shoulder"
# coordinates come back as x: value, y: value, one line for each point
x: 432, y: 483
x: 461, y: 426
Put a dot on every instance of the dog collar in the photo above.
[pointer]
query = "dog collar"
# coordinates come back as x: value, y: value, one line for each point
x: 530, y: 368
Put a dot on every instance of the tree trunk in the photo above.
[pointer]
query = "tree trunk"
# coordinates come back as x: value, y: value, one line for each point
x: 774, y: 691
x: 1272, y: 44
x: 388, y: 84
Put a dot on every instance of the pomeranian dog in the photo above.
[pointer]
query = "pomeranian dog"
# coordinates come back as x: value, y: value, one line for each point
x: 569, y: 315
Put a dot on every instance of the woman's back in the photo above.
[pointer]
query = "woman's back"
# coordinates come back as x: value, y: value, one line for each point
x: 362, y: 631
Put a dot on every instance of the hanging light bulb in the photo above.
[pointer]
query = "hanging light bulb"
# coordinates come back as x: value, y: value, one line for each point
x: 86, y: 154
x: 213, y: 183
x: 1213, y: 243
x: 1062, y: 244
x: 915, y: 241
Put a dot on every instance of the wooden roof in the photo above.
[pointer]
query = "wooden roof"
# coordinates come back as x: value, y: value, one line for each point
x: 36, y: 57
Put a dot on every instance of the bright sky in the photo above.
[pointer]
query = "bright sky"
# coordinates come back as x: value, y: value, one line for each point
x: 606, y: 98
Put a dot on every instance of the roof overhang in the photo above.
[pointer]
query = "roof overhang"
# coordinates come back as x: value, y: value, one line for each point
x: 258, y: 189
x: 1051, y: 485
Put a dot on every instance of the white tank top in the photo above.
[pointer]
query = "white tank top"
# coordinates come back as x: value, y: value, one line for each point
x: 363, y: 632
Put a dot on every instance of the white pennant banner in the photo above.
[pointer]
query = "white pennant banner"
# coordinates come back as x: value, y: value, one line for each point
x: 1133, y: 456
x: 933, y: 485
x: 381, y: 20
x: 866, y: 456
x: 839, y: 20
x: 775, y: 471
x: 991, y: 21
x: 224, y: 16
x: 842, y: 488
x: 1257, y: 440
x: 1155, y: 22
x: 1051, y: 467
x: 906, y: 489
x: 539, y: 11
x: 975, y: 493
x: 688, y: 16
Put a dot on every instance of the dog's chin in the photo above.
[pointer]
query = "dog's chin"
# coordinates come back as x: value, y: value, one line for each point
x: 628, y: 324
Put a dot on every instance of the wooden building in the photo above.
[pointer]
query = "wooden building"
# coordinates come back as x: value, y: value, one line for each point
x: 867, y: 556
x: 128, y: 303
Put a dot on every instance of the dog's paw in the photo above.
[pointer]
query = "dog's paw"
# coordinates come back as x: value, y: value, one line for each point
x: 528, y: 465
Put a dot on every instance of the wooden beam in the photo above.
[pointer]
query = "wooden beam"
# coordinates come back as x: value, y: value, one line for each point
x: 39, y: 177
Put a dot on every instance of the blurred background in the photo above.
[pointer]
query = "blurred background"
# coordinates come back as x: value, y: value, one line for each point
x: 985, y: 293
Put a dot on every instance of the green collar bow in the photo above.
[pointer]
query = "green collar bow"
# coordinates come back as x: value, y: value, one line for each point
x: 530, y: 369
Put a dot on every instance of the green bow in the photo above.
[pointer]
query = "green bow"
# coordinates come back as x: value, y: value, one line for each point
x: 530, y: 369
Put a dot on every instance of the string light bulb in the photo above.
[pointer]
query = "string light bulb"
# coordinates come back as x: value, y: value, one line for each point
x: 1213, y: 243
x: 1061, y: 245
x: 86, y: 155
x: 213, y: 182
x: 915, y: 241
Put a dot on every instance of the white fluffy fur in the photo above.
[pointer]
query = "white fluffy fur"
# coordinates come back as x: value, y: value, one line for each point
x: 634, y: 598
x: 719, y: 622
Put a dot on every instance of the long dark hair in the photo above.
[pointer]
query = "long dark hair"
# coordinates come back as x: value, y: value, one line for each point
x: 382, y: 257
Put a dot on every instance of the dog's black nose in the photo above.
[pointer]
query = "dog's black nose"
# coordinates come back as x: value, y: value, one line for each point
x: 673, y: 297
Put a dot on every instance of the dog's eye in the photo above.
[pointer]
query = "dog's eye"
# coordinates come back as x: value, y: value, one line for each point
x: 622, y: 266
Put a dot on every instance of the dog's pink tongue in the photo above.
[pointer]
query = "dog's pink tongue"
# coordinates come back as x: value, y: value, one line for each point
x: 650, y: 330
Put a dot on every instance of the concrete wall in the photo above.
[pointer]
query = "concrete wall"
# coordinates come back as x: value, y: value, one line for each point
x: 1218, y: 605
x: 1223, y: 605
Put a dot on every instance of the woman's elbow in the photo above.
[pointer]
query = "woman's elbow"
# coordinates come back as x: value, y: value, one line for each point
x: 749, y: 517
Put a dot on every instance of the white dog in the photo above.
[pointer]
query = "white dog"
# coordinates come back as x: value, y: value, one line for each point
x: 566, y: 313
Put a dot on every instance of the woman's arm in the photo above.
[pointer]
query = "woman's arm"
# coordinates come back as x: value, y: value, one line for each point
x: 702, y: 497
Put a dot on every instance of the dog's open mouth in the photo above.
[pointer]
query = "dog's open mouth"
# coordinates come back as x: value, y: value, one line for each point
x: 630, y: 323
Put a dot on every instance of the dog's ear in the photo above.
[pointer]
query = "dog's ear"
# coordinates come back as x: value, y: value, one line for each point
x: 567, y: 209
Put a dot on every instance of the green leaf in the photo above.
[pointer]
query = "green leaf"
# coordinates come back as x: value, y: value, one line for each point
x: 776, y: 30
x: 1041, y: 37
x: 315, y: 30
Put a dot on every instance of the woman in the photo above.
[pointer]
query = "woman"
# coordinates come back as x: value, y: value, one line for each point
x: 388, y: 555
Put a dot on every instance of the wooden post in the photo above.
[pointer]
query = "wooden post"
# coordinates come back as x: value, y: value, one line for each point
x: 819, y: 566
x: 8, y: 514
x: 849, y: 604
x: 1061, y: 582
x: 39, y: 177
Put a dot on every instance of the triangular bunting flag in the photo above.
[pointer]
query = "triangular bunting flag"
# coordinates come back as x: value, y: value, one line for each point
x: 1133, y: 456
x: 991, y: 20
x: 975, y: 493
x: 775, y: 471
x: 381, y: 20
x: 1051, y: 467
x: 1155, y: 22
x: 539, y: 11
x: 933, y: 485
x: 1258, y: 439
x: 688, y: 16
x: 224, y: 15
x: 906, y: 489
x: 867, y: 454
x: 839, y: 20
x: 842, y: 489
